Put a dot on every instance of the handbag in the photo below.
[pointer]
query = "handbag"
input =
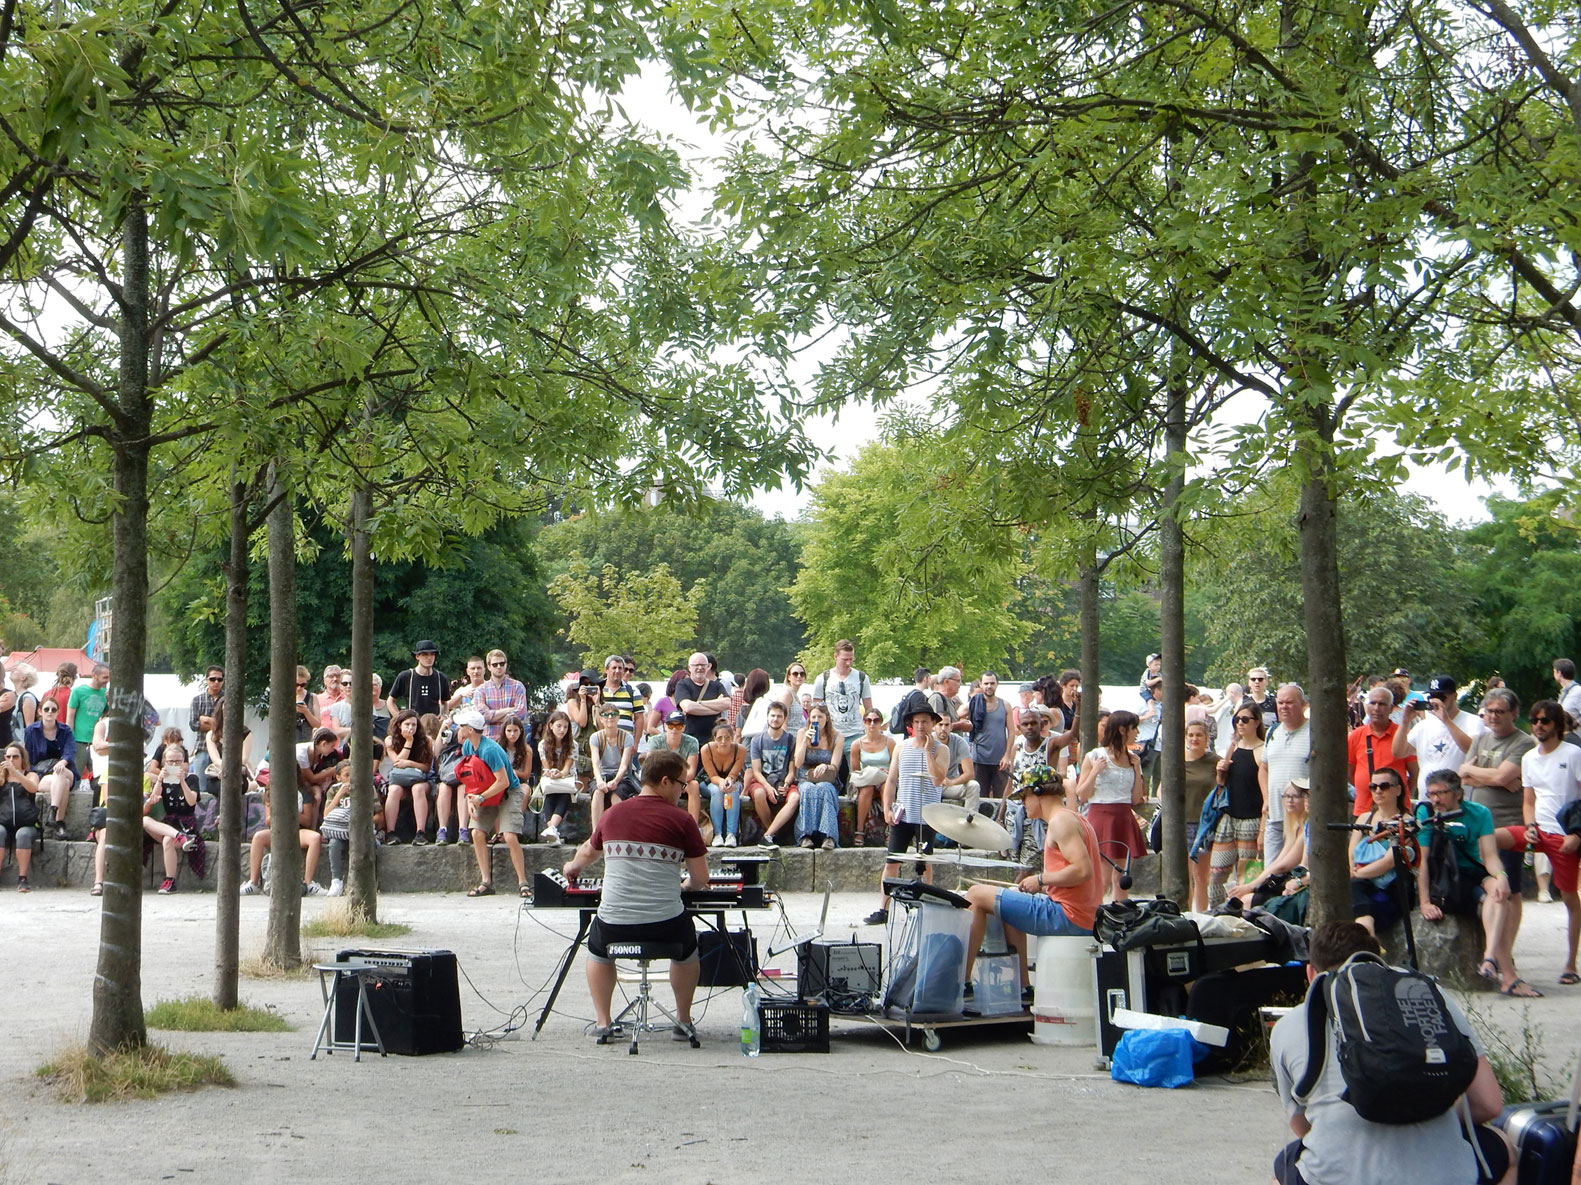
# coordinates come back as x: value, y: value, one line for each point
x: 1130, y: 925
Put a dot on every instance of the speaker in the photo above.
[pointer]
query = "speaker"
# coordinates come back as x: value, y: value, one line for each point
x: 412, y: 996
x: 722, y: 963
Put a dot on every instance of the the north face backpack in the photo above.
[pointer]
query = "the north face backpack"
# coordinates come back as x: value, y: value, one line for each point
x: 1401, y: 1055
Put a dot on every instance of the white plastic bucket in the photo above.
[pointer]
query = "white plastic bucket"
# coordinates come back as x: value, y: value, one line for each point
x: 1065, y: 996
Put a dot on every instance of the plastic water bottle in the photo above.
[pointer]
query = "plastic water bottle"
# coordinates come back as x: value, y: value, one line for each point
x: 751, y: 1022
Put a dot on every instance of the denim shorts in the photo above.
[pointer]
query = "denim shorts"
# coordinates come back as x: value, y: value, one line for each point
x: 1035, y: 913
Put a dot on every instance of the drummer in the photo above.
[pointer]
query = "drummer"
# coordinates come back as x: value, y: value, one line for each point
x: 1061, y: 899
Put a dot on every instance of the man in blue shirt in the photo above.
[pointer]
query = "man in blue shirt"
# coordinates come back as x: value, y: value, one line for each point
x: 503, y: 814
x: 1482, y: 886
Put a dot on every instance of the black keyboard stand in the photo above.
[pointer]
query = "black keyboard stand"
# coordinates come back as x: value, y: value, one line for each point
x: 584, y: 920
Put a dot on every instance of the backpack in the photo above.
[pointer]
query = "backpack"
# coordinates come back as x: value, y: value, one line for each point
x: 896, y: 724
x: 1401, y: 1054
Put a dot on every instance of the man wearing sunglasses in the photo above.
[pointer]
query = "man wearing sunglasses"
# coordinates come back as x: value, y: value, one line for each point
x: 1370, y: 748
x: 1550, y: 780
x: 1260, y: 696
x: 200, y: 718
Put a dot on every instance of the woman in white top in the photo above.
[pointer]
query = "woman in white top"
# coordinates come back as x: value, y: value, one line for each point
x: 1111, y: 785
x: 871, y: 754
x: 791, y: 695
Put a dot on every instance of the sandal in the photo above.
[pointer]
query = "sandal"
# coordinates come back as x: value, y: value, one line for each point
x: 1570, y: 979
x: 486, y: 889
x: 859, y: 840
x: 1488, y: 969
x: 1521, y: 990
x: 525, y: 889
x: 97, y: 890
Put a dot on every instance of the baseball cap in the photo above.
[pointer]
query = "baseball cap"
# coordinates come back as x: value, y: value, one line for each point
x: 675, y: 718
x: 1441, y: 685
x: 469, y: 718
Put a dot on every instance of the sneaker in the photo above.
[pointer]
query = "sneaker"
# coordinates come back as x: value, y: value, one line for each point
x: 443, y: 836
x: 464, y: 835
x: 1027, y: 996
x: 188, y: 842
x: 828, y: 843
x: 730, y: 841
x: 420, y: 840
x: 807, y: 843
x: 312, y: 889
x: 682, y: 1033
x: 337, y: 888
x: 608, y: 1034
x: 718, y: 842
x: 23, y: 887
x: 768, y: 840
x: 551, y: 835
x: 60, y: 831
x: 168, y: 885
x: 878, y: 917
x: 250, y: 889
x: 266, y: 871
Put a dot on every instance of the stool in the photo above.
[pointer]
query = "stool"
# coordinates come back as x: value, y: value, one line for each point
x: 638, y: 1009
x: 327, y: 1039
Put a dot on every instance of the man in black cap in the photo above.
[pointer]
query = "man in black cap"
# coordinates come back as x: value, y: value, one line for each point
x: 422, y: 687
x: 916, y: 775
x: 1437, y: 733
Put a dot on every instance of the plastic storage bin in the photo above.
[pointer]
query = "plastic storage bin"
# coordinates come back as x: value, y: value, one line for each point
x: 996, y: 985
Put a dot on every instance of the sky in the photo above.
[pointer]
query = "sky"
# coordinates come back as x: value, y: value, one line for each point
x: 650, y: 99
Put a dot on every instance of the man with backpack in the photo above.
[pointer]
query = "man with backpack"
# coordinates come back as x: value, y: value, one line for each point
x: 1382, y: 1076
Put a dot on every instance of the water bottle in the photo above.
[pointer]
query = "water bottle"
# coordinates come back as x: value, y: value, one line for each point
x: 751, y: 1022
x: 812, y: 737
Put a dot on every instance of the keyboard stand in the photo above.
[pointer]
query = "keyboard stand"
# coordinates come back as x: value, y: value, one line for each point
x: 584, y: 920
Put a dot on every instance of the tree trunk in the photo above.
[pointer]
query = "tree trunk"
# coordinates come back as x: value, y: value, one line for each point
x: 1090, y: 694
x: 362, y: 888
x: 1176, y: 881
x: 118, y: 981
x: 1320, y: 590
x: 227, y: 869
x: 283, y: 943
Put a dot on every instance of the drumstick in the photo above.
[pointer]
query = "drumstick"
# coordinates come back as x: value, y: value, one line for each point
x: 983, y: 880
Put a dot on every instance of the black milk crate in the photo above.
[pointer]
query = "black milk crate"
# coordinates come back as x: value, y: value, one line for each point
x: 794, y: 1027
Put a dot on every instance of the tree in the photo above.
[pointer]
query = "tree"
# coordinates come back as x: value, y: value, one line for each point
x: 746, y: 564
x: 643, y: 614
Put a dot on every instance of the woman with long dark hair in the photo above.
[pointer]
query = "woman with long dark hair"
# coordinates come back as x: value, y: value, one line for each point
x: 1111, y: 785
x: 557, y: 752
x: 1244, y: 774
x: 412, y: 761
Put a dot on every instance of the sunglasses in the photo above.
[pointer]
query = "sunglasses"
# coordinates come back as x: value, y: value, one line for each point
x: 50, y: 711
x: 1380, y: 785
x: 674, y: 724
x: 216, y: 678
x: 1543, y: 720
x: 875, y: 719
x: 803, y: 674
x: 1246, y: 720
x: 496, y: 664
x: 609, y: 715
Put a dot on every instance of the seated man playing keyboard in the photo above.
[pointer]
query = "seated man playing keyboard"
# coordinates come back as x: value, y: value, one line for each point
x: 645, y: 841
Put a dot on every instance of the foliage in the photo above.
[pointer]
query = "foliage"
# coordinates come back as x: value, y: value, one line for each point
x: 1524, y: 570
x: 486, y: 592
x: 901, y: 558
x: 141, y: 1073
x: 745, y: 562
x: 1406, y: 601
x: 641, y: 613
x: 197, y: 1014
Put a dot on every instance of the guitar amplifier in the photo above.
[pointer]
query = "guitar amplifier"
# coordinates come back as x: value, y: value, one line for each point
x: 850, y: 969
x: 413, y: 997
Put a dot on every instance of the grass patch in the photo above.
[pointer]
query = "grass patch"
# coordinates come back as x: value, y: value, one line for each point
x: 197, y: 1014
x: 337, y: 920
x: 143, y: 1073
x: 257, y: 967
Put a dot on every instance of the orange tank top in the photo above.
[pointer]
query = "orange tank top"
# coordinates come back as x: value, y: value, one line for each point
x: 1081, y: 901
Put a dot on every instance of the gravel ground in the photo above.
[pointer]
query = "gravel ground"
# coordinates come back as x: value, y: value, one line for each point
x: 990, y: 1105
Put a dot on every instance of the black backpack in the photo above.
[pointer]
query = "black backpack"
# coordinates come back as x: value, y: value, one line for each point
x: 1401, y: 1054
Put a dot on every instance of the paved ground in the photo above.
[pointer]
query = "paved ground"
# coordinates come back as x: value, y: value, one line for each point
x: 989, y: 1106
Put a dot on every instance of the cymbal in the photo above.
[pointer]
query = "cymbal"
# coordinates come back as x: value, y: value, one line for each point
x: 966, y: 827
x: 962, y: 859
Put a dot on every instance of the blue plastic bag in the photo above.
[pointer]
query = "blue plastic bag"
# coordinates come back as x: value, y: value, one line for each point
x: 1156, y: 1057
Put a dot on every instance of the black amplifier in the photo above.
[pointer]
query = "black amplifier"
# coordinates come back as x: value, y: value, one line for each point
x: 413, y: 997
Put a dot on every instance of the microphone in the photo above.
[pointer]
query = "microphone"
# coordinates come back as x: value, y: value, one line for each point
x: 1125, y: 873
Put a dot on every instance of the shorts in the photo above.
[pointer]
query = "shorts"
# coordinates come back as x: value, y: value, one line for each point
x: 1514, y: 862
x: 1566, y: 864
x: 1233, y: 830
x: 1495, y: 1150
x: 902, y: 834
x: 504, y: 816
x: 679, y: 929
x: 1370, y: 900
x: 1035, y: 913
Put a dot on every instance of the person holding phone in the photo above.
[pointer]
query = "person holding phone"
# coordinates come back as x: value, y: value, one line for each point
x: 170, y: 817
x: 19, y: 827
x: 1435, y: 731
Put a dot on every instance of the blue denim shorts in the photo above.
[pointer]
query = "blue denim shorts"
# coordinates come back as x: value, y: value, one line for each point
x: 1035, y: 913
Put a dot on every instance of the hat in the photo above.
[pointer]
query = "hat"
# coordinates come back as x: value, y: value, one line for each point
x: 1399, y: 673
x: 675, y: 718
x: 590, y: 676
x: 1441, y: 685
x: 1034, y: 710
x: 1301, y: 783
x: 916, y: 704
x: 469, y: 718
x: 426, y: 646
